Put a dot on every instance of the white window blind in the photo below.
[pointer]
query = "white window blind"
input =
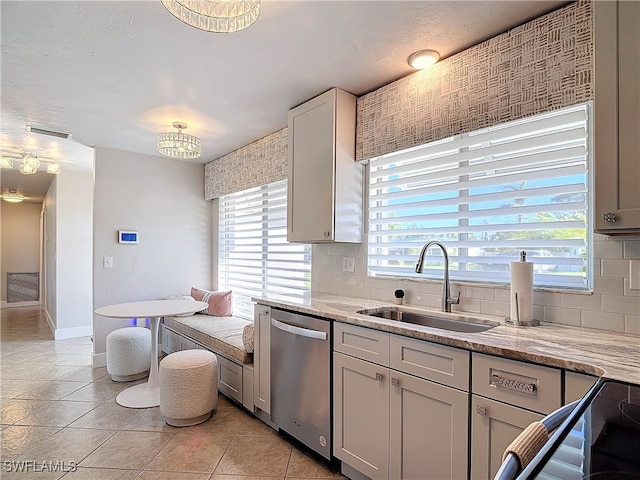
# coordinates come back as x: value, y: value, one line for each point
x: 486, y: 196
x: 255, y: 259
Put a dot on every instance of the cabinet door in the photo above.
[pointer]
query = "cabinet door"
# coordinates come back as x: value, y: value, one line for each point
x: 576, y: 385
x: 262, y: 358
x: 361, y: 415
x: 310, y: 201
x: 428, y: 429
x: 494, y: 425
x: 617, y: 116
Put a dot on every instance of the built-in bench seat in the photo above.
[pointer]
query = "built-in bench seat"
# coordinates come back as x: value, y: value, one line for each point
x: 222, y: 336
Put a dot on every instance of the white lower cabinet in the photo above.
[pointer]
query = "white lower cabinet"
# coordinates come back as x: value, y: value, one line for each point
x: 361, y: 415
x: 389, y: 424
x: 262, y: 358
x: 428, y: 429
x: 494, y: 425
x: 508, y: 395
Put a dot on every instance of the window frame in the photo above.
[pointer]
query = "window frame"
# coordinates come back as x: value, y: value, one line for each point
x: 587, y: 286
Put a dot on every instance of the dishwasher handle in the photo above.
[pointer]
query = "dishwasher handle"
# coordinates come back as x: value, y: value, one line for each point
x: 303, y: 332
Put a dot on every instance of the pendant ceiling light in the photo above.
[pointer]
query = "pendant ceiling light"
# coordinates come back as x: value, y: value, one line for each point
x: 178, y: 144
x: 218, y: 16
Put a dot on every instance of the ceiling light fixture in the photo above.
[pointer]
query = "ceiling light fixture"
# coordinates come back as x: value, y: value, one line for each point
x: 178, y: 144
x: 30, y: 164
x: 53, y: 168
x: 13, y: 196
x: 423, y: 59
x: 218, y: 16
x: 6, y: 162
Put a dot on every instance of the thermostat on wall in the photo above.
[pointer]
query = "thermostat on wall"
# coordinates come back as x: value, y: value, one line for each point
x: 127, y: 236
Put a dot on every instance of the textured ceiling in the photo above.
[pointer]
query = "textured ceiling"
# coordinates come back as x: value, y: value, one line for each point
x: 115, y: 74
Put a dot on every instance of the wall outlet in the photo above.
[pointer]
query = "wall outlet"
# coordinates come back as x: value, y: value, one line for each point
x: 107, y: 262
x: 634, y: 275
x: 348, y: 264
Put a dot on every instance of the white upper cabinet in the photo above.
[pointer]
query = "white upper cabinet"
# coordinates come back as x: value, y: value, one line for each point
x: 617, y: 116
x: 324, y: 196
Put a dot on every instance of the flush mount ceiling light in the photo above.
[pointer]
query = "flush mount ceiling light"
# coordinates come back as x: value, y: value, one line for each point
x: 30, y: 164
x: 218, y: 16
x: 178, y: 144
x: 13, y: 196
x: 53, y: 168
x: 423, y: 59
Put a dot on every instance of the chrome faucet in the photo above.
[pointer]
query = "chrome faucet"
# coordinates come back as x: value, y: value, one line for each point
x: 447, y: 299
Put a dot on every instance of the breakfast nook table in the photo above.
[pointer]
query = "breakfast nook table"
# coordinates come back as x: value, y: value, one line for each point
x: 147, y: 394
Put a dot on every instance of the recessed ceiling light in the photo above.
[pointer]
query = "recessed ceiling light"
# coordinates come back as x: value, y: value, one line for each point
x: 423, y: 59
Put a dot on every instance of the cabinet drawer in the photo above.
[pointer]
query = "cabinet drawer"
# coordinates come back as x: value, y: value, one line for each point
x: 230, y: 378
x: 529, y: 386
x: 440, y: 363
x: 361, y: 342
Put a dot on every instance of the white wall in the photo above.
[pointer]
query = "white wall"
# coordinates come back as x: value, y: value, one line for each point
x: 49, y: 211
x: 68, y: 247
x: 163, y: 200
x: 20, y: 225
x: 74, y: 253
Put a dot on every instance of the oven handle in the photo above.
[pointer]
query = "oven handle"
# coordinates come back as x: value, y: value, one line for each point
x: 303, y: 332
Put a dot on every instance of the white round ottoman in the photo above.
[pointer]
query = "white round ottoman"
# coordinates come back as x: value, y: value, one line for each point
x: 188, y: 387
x: 128, y: 353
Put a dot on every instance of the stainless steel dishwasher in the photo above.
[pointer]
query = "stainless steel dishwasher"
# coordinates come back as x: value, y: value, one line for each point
x: 301, y: 378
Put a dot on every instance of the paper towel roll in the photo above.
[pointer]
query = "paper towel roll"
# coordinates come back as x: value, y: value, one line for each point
x: 522, y: 284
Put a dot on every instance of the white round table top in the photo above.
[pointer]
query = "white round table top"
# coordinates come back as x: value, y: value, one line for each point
x: 151, y: 308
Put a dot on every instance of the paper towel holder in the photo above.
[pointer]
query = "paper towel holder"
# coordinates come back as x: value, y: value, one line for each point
x: 517, y: 322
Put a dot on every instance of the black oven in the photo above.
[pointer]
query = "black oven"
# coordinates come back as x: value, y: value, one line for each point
x: 600, y: 440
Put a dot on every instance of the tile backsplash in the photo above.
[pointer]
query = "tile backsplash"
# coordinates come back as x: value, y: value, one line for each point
x: 612, y: 305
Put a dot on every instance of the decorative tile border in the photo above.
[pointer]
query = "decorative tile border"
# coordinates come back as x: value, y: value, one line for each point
x: 539, y: 66
x: 263, y: 161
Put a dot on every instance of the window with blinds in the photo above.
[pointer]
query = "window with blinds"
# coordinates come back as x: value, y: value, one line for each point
x: 487, y: 195
x: 254, y: 257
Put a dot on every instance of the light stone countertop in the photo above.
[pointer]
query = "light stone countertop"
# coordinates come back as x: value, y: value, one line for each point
x: 596, y: 352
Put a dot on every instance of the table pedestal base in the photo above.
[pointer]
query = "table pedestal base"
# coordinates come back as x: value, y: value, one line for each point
x: 139, y: 396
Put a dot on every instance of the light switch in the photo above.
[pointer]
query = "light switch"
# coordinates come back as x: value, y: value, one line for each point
x: 634, y: 274
x: 107, y: 262
x: 348, y: 264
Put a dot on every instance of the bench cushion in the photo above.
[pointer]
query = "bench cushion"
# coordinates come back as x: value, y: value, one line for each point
x: 221, y: 334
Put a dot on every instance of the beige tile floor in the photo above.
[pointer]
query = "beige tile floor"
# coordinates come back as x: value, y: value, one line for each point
x: 56, y: 411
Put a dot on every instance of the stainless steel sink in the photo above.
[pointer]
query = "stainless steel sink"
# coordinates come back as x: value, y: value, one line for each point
x: 461, y: 324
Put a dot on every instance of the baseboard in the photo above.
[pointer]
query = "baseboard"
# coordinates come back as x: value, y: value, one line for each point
x: 75, y: 332
x: 4, y: 304
x: 99, y: 360
x: 52, y: 326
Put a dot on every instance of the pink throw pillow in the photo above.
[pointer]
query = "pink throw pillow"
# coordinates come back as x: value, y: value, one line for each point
x: 220, y: 303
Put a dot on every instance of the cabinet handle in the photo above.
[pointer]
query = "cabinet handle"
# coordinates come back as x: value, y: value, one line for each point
x: 528, y: 388
x: 379, y: 377
x: 480, y: 410
x: 609, y: 217
x: 395, y: 382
